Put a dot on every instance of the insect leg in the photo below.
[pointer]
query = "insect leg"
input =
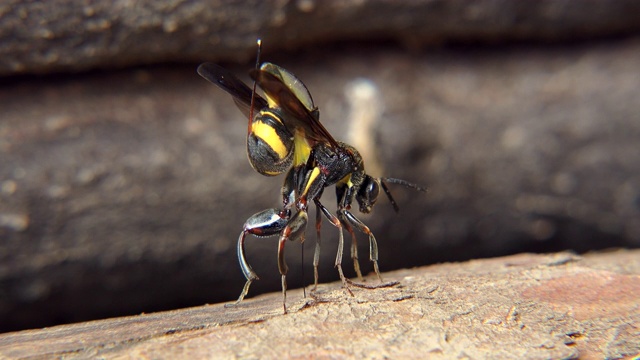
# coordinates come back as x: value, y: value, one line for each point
x: 282, y: 267
x: 294, y: 230
x: 373, y: 244
x: 338, y: 264
x: 311, y: 187
x: 248, y: 272
x: 354, y: 246
x: 316, y: 252
x: 345, y: 195
x: 266, y: 223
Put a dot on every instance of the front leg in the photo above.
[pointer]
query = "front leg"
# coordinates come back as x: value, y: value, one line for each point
x: 373, y: 248
x: 346, y: 216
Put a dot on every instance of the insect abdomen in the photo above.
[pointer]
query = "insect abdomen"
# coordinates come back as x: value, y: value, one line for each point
x: 269, y: 145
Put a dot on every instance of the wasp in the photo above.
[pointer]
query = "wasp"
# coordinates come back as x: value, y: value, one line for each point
x: 284, y: 134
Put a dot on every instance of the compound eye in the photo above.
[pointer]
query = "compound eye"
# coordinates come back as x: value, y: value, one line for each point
x: 368, y: 194
x: 373, y: 190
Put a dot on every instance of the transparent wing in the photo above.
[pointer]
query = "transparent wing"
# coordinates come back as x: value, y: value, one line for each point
x: 228, y: 82
x: 288, y: 98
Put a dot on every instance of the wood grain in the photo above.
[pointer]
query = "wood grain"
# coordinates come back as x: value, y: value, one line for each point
x: 523, y: 306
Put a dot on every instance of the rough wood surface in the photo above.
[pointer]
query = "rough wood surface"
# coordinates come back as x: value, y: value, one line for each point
x: 522, y: 307
x: 72, y: 35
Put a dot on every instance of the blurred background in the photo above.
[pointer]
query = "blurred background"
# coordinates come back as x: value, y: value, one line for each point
x: 124, y: 181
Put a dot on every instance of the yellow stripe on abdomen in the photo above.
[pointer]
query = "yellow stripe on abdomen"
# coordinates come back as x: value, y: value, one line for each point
x: 269, y: 135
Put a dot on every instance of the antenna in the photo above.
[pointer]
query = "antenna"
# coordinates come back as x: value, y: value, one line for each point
x: 253, y: 93
x: 404, y: 183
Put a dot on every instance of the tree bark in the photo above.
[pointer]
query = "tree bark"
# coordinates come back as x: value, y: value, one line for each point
x: 74, y: 35
x: 522, y: 307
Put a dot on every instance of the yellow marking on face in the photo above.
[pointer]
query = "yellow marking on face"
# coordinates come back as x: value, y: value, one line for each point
x: 269, y: 135
x: 301, y: 148
x: 314, y: 174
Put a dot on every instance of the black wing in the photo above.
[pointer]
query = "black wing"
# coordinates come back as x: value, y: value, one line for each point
x: 300, y: 117
x: 228, y: 82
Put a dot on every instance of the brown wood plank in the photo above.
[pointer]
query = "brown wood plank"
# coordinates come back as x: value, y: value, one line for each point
x: 523, y: 306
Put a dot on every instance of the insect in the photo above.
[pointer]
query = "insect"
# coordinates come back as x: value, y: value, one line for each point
x: 284, y: 134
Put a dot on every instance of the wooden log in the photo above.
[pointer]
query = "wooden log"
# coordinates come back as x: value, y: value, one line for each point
x: 71, y: 35
x: 522, y: 307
